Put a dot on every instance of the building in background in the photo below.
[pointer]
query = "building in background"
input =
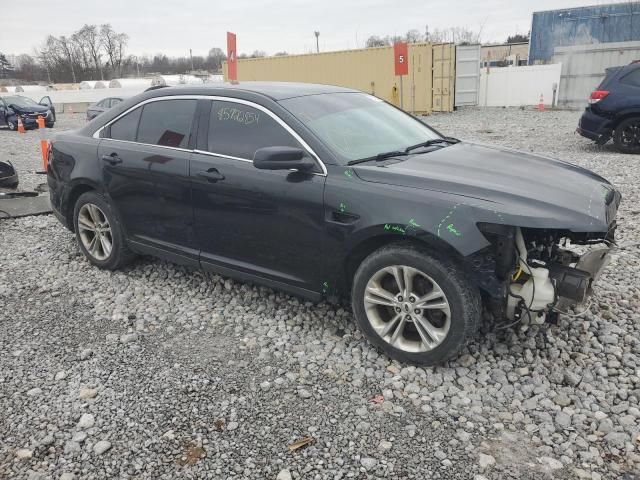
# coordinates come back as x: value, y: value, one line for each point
x: 615, y: 22
x: 504, y: 54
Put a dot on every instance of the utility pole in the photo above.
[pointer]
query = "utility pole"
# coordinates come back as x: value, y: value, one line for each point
x: 191, y: 56
x: 317, y: 34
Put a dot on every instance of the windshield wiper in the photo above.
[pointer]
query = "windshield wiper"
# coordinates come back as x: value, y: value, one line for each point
x: 380, y: 156
x: 433, y: 141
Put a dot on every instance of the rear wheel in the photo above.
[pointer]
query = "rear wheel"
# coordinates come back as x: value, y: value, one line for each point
x: 415, y: 307
x: 626, y: 137
x: 99, y: 233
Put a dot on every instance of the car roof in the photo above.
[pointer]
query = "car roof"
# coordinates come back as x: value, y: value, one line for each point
x: 274, y: 90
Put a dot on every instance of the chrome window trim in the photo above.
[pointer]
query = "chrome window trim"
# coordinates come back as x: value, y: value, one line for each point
x: 187, y: 150
x: 282, y: 123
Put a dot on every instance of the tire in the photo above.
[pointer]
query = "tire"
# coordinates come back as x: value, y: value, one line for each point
x: 93, y: 209
x: 446, y: 329
x: 13, y: 126
x: 626, y: 136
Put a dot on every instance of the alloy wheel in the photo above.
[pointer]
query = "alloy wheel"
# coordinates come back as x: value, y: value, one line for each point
x: 95, y: 231
x: 407, y: 308
x: 631, y: 135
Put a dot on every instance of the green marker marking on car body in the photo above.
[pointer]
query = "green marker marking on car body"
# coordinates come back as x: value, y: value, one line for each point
x: 453, y: 230
x: 412, y: 223
x: 395, y: 228
x: 348, y: 173
x: 343, y: 207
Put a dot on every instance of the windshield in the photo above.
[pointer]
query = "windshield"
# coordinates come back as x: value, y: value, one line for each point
x: 20, y: 101
x: 357, y: 125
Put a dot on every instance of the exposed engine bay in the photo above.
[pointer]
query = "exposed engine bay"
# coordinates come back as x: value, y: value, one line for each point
x: 543, y: 271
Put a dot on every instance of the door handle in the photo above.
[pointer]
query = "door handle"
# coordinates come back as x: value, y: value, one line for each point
x: 344, y: 218
x: 113, y: 159
x: 212, y: 175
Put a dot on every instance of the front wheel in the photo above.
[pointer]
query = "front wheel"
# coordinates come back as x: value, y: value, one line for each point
x: 626, y: 137
x: 99, y: 233
x: 12, y: 124
x: 416, y: 307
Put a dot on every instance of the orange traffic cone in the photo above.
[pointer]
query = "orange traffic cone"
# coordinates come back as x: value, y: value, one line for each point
x: 541, y: 104
x: 20, y: 125
x: 44, y: 144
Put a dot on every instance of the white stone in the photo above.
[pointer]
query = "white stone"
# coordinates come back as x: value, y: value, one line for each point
x: 284, y: 475
x: 486, y: 461
x: 101, y: 447
x: 86, y: 421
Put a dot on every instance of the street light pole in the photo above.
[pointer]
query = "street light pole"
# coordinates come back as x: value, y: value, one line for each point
x: 317, y: 34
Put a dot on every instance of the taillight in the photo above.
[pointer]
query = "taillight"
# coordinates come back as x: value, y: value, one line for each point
x: 597, y: 95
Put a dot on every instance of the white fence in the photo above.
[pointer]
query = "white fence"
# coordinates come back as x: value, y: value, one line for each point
x: 518, y: 86
x: 583, y: 67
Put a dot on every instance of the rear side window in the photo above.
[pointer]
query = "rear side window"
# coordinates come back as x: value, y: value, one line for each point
x: 167, y: 123
x: 125, y: 128
x: 239, y: 130
x: 632, y: 78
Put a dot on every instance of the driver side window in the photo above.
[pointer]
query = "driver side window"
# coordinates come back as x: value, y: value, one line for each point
x: 239, y: 130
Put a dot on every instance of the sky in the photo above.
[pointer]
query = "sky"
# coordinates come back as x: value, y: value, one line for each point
x: 173, y: 27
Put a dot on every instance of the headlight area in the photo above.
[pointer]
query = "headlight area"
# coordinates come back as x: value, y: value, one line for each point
x: 539, y: 274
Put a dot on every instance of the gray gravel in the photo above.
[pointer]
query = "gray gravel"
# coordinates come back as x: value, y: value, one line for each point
x: 161, y: 372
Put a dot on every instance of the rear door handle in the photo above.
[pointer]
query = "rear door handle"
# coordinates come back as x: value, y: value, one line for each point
x: 212, y: 175
x: 113, y: 159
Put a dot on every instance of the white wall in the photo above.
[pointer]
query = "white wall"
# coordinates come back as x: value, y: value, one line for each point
x: 583, y: 67
x: 516, y: 86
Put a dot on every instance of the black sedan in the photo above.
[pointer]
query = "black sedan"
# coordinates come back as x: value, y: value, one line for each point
x: 102, y: 106
x: 27, y: 110
x: 327, y: 192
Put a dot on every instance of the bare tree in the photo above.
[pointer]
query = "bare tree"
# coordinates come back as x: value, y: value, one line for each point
x: 67, y: 48
x: 121, y: 41
x: 91, y: 38
x: 109, y: 43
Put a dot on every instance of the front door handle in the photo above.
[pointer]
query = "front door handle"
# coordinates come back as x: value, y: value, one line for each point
x: 212, y: 175
x: 113, y: 159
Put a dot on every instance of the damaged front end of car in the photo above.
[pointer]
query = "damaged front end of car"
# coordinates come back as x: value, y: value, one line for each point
x: 530, y: 275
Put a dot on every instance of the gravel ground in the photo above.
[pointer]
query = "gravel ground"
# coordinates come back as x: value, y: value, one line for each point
x: 161, y: 372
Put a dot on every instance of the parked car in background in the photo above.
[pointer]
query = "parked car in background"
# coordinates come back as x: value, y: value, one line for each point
x: 28, y: 110
x: 102, y: 106
x: 328, y: 192
x: 614, y: 110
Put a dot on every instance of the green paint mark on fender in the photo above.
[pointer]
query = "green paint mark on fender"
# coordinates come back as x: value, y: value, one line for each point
x: 412, y: 223
x: 343, y: 207
x: 394, y: 228
x: 453, y: 230
x: 348, y: 173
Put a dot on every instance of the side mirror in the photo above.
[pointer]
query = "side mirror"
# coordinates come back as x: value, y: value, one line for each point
x: 283, y: 158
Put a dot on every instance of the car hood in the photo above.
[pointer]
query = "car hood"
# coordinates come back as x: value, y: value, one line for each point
x: 32, y: 109
x: 537, y: 191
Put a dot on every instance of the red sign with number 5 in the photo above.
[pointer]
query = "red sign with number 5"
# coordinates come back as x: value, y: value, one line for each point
x: 401, y: 58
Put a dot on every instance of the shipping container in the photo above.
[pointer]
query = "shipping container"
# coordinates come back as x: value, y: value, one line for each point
x: 370, y: 70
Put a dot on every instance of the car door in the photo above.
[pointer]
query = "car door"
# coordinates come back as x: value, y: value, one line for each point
x: 46, y: 102
x: 263, y: 223
x: 145, y: 162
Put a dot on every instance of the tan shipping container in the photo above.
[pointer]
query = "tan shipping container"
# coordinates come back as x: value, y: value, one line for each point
x: 370, y: 70
x: 444, y: 74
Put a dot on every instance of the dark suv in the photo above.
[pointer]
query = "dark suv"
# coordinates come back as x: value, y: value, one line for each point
x: 614, y: 110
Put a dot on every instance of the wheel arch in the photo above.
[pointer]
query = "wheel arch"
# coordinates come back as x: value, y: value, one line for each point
x: 72, y: 197
x: 358, y: 252
x: 624, y: 115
